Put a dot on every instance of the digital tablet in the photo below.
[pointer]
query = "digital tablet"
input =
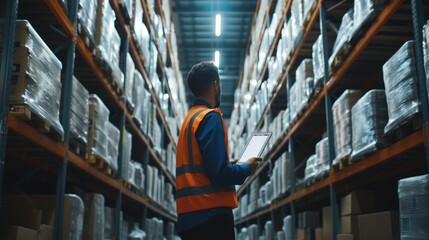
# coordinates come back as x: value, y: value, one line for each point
x: 255, y: 145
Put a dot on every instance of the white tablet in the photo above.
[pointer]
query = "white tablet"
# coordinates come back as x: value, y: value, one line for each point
x: 255, y: 145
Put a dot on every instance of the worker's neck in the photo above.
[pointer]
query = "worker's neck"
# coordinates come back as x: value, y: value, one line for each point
x: 208, y: 99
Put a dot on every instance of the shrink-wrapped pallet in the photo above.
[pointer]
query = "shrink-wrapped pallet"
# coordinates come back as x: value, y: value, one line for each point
x: 93, y: 224
x: 414, y: 207
x: 87, y: 20
x: 342, y: 117
x: 113, y: 137
x: 311, y: 169
x: 318, y: 62
x: 269, y: 230
x: 126, y: 154
x: 322, y: 158
x: 369, y: 116
x: 79, y: 113
x: 98, y: 123
x: 108, y: 42
x: 364, y: 11
x: 36, y: 77
x: 342, y: 42
x: 426, y: 52
x: 129, y: 82
x: 400, y: 80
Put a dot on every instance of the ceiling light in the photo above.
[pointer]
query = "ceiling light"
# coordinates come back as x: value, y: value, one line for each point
x: 217, y: 58
x: 218, y: 22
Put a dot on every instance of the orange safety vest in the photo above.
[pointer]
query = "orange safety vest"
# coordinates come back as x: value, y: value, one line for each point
x: 194, y: 190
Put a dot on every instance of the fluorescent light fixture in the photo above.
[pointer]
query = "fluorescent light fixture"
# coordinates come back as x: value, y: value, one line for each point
x: 217, y: 58
x: 218, y: 22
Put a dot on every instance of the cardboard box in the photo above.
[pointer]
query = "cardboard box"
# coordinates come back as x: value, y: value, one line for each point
x: 21, y: 216
x: 300, y: 234
x: 46, y: 232
x: 318, y: 234
x: 305, y: 234
x: 17, y: 233
x: 358, y: 202
x: 345, y: 237
x: 327, y: 223
x: 349, y: 225
x: 379, y: 226
x: 308, y: 219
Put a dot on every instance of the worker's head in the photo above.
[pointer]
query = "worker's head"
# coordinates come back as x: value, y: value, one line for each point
x: 203, y: 81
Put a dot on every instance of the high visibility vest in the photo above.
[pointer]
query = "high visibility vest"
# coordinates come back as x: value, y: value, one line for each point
x: 194, y: 190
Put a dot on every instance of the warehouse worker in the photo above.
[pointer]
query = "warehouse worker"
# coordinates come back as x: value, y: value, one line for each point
x: 205, y: 177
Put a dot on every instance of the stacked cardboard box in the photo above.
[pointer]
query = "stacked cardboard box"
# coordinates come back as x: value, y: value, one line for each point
x: 98, y: 123
x: 342, y: 116
x: 327, y: 222
x: 36, y: 77
x: 400, y: 80
x: 32, y: 217
x: 369, y: 116
x: 307, y: 223
x: 414, y: 207
x: 353, y: 205
x: 379, y: 226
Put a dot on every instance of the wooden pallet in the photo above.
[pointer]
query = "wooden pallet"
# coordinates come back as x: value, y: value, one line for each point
x: 24, y: 113
x: 117, y: 87
x: 99, y: 163
x: 342, y: 163
x: 413, y: 124
x: 77, y: 147
x: 129, y: 105
x: 340, y: 57
x: 131, y: 187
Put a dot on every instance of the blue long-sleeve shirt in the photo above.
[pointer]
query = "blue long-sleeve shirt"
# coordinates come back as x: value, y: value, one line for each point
x: 211, y: 142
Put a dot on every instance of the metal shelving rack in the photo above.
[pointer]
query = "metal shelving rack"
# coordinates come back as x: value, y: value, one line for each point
x: 397, y: 159
x: 69, y: 165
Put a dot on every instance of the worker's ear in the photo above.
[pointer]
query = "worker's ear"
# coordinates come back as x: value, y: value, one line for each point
x: 216, y: 83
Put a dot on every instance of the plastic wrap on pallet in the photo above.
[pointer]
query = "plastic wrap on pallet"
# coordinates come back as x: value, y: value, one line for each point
x: 308, y: 6
x: 297, y: 18
x: 98, y: 123
x: 426, y: 52
x: 311, y: 168
x: 79, y: 112
x: 318, y: 62
x: 414, y: 207
x: 369, y: 116
x: 76, y: 213
x: 87, y: 19
x: 342, y: 117
x: 124, y: 230
x: 322, y: 157
x: 289, y: 39
x: 304, y: 78
x: 108, y: 41
x: 126, y: 154
x: 36, y: 77
x: 269, y: 230
x: 400, y: 80
x: 287, y: 227
x: 136, y: 233
x: 131, y: 173
x: 364, y: 10
x: 93, y: 225
x: 113, y: 137
x: 129, y: 84
x: 342, y: 42
x: 138, y: 96
x: 139, y: 177
x: 109, y: 221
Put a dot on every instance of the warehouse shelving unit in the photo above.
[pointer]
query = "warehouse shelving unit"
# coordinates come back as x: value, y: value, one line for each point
x: 29, y: 148
x: 402, y: 158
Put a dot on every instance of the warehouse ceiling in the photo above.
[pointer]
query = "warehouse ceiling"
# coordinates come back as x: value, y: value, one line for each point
x: 195, y: 27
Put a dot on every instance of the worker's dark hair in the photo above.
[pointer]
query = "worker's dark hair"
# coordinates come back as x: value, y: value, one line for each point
x: 201, y: 76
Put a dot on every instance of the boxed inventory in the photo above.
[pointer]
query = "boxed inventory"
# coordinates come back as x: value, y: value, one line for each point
x: 98, y: 123
x: 73, y: 211
x: 342, y: 117
x: 357, y: 202
x: 379, y: 226
x: 369, y: 116
x: 93, y: 227
x: 400, y: 80
x: 36, y: 79
x: 342, y: 42
x: 414, y: 207
x: 87, y: 20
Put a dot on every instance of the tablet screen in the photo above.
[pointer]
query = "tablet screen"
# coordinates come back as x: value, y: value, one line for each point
x: 255, y: 146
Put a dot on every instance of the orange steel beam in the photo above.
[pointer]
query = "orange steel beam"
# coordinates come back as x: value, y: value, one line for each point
x: 61, y: 16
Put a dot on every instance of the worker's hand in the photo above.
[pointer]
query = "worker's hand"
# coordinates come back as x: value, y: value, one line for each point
x: 233, y: 162
x: 254, y: 162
